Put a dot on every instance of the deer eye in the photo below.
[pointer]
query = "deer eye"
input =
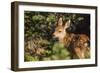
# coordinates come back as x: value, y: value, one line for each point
x: 59, y: 31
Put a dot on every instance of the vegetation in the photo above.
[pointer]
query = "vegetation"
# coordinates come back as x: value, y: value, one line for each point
x: 39, y: 27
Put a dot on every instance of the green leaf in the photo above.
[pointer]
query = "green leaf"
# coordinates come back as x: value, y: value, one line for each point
x: 30, y: 58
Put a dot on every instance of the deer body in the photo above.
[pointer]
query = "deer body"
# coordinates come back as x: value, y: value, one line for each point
x: 77, y: 42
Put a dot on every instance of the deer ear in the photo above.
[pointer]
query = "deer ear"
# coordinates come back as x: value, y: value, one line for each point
x: 60, y: 21
x: 67, y: 24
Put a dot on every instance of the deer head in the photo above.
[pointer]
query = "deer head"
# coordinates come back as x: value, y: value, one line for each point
x: 60, y: 30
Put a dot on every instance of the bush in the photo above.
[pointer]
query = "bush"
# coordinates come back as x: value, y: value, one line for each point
x: 60, y: 52
x: 31, y: 58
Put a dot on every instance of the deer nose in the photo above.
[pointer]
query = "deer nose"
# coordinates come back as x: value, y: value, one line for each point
x: 55, y: 39
x: 54, y: 34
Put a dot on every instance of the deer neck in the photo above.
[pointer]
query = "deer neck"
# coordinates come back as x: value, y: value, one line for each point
x: 65, y: 38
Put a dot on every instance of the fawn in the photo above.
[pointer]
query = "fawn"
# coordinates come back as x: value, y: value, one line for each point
x: 77, y: 43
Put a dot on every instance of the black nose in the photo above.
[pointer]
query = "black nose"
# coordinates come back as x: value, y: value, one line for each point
x: 55, y: 39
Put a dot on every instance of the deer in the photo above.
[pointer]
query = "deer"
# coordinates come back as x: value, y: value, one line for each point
x: 77, y: 43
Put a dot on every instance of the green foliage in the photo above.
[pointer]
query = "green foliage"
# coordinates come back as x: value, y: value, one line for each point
x: 51, y: 18
x: 60, y: 52
x: 38, y: 18
x: 31, y: 58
